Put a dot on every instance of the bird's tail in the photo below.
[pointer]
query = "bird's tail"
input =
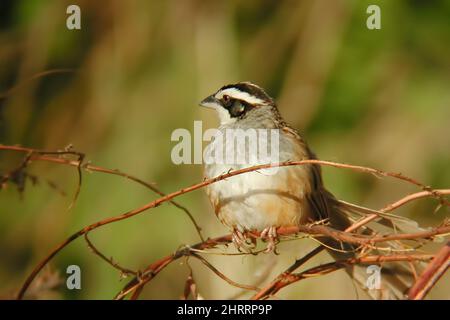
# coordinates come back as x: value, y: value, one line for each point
x: 380, y: 281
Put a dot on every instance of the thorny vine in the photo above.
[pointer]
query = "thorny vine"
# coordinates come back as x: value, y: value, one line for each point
x: 438, y: 263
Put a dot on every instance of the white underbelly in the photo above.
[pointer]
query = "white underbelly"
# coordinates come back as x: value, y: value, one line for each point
x: 257, y: 200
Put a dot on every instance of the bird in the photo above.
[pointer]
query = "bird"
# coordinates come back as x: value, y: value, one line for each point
x: 286, y: 196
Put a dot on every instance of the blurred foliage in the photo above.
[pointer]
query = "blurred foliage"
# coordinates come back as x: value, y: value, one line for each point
x: 371, y: 97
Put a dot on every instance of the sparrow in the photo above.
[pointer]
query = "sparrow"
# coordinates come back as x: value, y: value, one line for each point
x: 291, y: 196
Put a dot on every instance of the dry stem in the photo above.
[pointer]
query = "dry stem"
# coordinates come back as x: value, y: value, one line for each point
x: 141, y: 278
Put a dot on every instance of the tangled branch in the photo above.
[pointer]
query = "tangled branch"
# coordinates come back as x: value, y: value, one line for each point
x: 141, y: 278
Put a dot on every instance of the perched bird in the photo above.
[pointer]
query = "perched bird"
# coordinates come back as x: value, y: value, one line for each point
x: 291, y: 196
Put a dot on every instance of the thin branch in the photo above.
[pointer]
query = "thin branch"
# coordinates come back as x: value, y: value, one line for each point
x: 290, y: 278
x: 315, y: 229
x: 343, y: 236
x: 273, y: 286
x: 432, y: 273
x: 110, y: 261
x: 259, y: 281
x: 156, y: 267
x: 412, y: 197
x: 149, y: 273
x: 375, y: 172
x: 221, y: 275
x: 37, y: 155
x: 31, y: 155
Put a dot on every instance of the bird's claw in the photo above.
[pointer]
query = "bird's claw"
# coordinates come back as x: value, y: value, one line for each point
x: 270, y: 235
x: 242, y: 242
x: 245, y: 243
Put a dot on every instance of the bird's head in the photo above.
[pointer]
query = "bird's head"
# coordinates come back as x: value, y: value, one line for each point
x: 235, y: 101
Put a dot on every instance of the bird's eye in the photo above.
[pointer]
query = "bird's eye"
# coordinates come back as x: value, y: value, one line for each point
x: 227, y: 101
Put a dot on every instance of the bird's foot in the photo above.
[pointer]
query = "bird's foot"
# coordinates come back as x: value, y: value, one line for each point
x: 242, y: 242
x: 270, y: 235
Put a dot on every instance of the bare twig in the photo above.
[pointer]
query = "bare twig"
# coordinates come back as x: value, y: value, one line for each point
x: 274, y: 286
x: 31, y: 155
x: 432, y: 273
x: 152, y: 270
x: 221, y: 275
x: 35, y: 155
x: 288, y: 279
x: 110, y: 261
x: 136, y: 284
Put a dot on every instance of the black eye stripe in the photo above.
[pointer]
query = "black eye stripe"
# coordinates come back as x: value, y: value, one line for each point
x: 230, y: 102
x: 235, y: 112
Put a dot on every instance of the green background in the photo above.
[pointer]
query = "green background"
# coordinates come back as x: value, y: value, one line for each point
x: 378, y: 98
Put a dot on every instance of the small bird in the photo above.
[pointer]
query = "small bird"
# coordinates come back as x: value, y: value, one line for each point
x: 294, y: 195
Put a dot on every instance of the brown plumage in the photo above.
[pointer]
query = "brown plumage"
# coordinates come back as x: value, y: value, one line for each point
x: 293, y: 195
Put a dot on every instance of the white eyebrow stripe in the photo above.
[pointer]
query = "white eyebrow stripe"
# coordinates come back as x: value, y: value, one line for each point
x: 240, y: 95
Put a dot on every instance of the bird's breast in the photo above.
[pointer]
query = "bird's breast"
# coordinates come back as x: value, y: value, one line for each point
x: 259, y: 199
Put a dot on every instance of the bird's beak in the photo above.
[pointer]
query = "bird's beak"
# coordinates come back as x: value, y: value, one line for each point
x: 210, y: 102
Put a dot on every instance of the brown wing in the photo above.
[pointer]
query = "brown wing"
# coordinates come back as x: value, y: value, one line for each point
x: 319, y: 198
x: 318, y: 202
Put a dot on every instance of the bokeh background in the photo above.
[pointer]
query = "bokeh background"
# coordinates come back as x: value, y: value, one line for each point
x: 379, y: 98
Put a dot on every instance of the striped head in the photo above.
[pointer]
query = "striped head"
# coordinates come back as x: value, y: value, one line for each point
x: 234, y: 101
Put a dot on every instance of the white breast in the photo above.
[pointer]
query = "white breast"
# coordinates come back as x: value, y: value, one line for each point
x: 256, y: 200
